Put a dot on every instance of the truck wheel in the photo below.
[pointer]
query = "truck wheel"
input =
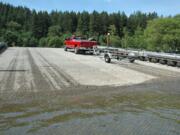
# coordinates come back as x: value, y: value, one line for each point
x: 154, y: 60
x: 171, y: 63
x: 142, y: 58
x: 76, y: 50
x: 178, y: 64
x: 131, y: 60
x: 150, y: 59
x: 163, y: 61
x: 107, y: 59
x: 83, y: 52
x: 65, y: 49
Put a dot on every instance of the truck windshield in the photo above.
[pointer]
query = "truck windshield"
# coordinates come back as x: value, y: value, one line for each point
x: 79, y: 38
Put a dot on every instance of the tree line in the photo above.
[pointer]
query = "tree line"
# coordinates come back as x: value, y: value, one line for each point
x: 20, y: 26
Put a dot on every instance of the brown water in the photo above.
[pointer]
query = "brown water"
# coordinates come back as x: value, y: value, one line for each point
x: 126, y: 113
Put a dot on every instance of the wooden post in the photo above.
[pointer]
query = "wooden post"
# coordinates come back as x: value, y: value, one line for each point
x: 108, y: 39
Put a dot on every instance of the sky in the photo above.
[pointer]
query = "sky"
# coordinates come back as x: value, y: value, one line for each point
x: 162, y: 7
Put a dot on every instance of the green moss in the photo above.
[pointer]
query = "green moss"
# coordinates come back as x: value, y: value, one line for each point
x: 64, y: 118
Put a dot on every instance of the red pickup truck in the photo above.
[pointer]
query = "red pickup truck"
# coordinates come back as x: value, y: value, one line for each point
x: 79, y: 44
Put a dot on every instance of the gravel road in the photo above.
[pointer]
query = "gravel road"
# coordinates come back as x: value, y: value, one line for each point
x: 49, y: 91
x: 35, y: 69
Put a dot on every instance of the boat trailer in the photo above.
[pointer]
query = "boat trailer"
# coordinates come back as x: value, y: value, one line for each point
x: 110, y: 53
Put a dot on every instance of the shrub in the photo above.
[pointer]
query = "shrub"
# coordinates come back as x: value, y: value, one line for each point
x: 43, y: 42
x: 55, y: 42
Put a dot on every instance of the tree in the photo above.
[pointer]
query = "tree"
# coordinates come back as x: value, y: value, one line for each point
x: 11, y: 38
x: 83, y: 23
x: 67, y: 22
x: 25, y: 38
x: 94, y: 23
x: 55, y: 31
x: 43, y: 42
x: 163, y: 34
x: 13, y: 26
x: 115, y: 41
x: 33, y: 42
x: 41, y: 23
x: 112, y: 30
x: 21, y: 26
x: 114, y: 38
x: 104, y: 23
x: 55, y: 42
x: 103, y: 39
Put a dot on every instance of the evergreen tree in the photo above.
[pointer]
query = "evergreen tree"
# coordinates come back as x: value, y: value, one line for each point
x: 83, y: 23
x: 94, y: 23
x: 41, y: 23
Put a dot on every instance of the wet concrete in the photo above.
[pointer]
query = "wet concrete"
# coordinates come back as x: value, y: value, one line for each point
x: 118, y: 112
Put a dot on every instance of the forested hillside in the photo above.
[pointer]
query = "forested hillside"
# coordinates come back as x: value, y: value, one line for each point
x: 20, y: 26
